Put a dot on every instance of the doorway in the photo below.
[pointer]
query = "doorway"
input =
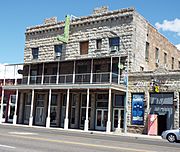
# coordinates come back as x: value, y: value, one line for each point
x: 11, y: 108
x: 162, y: 123
x: 101, y: 119
x: 40, y: 113
x: 118, y: 118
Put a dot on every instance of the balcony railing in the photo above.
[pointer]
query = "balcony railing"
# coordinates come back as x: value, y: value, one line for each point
x: 84, y: 78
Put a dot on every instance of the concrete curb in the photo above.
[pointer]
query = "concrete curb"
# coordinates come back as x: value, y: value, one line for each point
x: 133, y: 135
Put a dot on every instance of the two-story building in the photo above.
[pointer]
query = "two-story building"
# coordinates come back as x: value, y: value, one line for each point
x: 75, y: 72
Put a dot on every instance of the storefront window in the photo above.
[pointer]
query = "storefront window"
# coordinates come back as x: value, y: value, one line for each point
x: 119, y: 101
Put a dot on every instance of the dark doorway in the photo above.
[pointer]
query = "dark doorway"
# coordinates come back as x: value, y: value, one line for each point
x: 162, y: 123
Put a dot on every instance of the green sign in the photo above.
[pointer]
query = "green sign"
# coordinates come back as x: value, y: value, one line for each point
x: 65, y: 37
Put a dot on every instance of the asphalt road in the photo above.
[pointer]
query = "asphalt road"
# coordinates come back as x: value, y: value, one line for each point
x: 30, y: 139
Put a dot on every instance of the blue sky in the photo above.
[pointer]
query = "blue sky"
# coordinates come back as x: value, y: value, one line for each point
x: 16, y: 15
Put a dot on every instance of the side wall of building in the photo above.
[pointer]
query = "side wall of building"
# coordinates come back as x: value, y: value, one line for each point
x: 139, y: 44
x: 156, y: 40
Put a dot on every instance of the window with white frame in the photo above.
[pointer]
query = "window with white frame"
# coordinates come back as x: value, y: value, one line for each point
x: 58, y: 50
x: 114, y: 44
x: 35, y: 53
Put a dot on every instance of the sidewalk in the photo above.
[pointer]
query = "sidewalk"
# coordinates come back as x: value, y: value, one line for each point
x: 134, y: 135
x: 140, y: 136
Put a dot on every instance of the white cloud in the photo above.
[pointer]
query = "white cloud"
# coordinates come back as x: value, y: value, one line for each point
x: 178, y: 46
x: 173, y: 26
x: 9, y: 71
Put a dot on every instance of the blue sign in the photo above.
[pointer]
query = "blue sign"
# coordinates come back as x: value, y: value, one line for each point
x: 138, y: 109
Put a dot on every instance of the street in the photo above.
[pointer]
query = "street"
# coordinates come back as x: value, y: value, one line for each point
x: 30, y: 139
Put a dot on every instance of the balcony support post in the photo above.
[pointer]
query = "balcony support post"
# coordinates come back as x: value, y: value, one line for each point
x: 57, y: 77
x: 49, y: 110
x: 111, y: 70
x: 91, y: 78
x: 74, y: 71
x: 86, y: 125
x: 119, y: 70
x: 15, y: 73
x: 29, y: 74
x: 108, y: 128
x: 31, y: 112
x: 42, y: 77
x: 15, y: 111
x: 66, y: 120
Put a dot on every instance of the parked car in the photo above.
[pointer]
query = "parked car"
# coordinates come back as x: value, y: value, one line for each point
x: 171, y: 135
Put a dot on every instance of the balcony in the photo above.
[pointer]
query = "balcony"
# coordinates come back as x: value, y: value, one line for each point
x: 84, y: 78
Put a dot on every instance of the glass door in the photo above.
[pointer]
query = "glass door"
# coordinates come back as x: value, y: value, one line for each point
x: 73, y: 116
x: 63, y: 110
x: 40, y: 117
x: 53, y: 110
x: 101, y: 119
x: 11, y: 108
x: 27, y: 108
x: 118, y: 118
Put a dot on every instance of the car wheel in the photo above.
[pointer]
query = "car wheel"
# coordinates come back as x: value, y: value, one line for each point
x: 171, y: 138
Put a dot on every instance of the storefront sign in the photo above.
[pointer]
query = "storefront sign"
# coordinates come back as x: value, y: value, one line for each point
x: 138, y: 109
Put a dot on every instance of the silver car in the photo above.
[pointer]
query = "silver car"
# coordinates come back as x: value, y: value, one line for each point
x: 171, y: 135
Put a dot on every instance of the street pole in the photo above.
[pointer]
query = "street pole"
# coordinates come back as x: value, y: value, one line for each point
x: 127, y: 90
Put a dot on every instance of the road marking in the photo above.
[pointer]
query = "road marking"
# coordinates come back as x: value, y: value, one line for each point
x: 23, y: 133
x: 6, y: 146
x: 83, y: 144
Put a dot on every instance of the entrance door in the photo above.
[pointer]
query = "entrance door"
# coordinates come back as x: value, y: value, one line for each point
x: 101, y: 119
x: 53, y: 110
x: 118, y: 118
x: 162, y: 123
x: 27, y: 107
x: 11, y: 108
x: 39, y: 119
x: 40, y: 114
x: 63, y: 110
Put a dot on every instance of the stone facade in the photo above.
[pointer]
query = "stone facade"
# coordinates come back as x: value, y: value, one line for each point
x: 100, y: 71
x: 105, y: 26
x: 168, y: 82
x: 134, y: 31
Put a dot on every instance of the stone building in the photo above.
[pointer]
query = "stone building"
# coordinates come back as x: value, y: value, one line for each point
x: 75, y: 71
x: 163, y: 102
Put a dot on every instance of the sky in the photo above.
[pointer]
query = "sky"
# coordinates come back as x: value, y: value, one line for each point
x: 17, y: 15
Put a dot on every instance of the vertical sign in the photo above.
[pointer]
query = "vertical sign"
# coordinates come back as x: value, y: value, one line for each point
x: 65, y: 37
x: 138, y: 109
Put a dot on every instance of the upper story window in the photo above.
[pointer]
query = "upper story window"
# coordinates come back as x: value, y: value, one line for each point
x: 35, y: 53
x: 58, y: 50
x: 179, y: 64
x: 157, y: 54
x: 157, y: 57
x: 98, y: 44
x: 172, y: 64
x: 114, y: 44
x: 165, y: 58
x: 84, y: 46
x: 147, y: 52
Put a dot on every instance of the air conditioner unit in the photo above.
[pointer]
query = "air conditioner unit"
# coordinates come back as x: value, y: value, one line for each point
x: 157, y: 61
x: 58, y: 54
x: 114, y: 48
